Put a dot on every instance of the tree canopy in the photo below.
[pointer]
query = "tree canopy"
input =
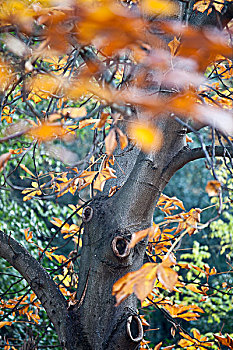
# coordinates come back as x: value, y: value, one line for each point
x: 102, y: 102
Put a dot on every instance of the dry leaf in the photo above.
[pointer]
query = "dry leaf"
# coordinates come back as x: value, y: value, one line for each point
x: 225, y: 340
x: 122, y: 138
x: 166, y: 275
x: 213, y: 188
x: 26, y: 169
x: 140, y: 282
x: 151, y: 232
x: 110, y: 142
x: 4, y: 159
x: 174, y: 46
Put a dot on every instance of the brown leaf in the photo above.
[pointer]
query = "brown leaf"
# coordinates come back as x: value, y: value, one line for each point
x: 4, y: 159
x: 213, y: 188
x: 110, y: 142
x: 122, y: 138
x: 227, y: 340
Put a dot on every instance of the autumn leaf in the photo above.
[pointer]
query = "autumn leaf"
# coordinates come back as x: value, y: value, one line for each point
x: 158, y: 346
x: 122, y: 138
x: 86, y: 122
x: 226, y: 340
x: 166, y: 275
x: 186, y: 312
x: 47, y: 132
x: 195, y: 289
x: 198, y: 341
x: 140, y: 282
x: 151, y: 232
x: 5, y: 323
x: 167, y: 204
x: 4, y: 159
x: 28, y: 234
x: 110, y: 142
x: 33, y: 191
x: 159, y: 7
x: 22, y: 166
x: 174, y: 46
x: 74, y: 112
x: 146, y: 136
x: 213, y: 188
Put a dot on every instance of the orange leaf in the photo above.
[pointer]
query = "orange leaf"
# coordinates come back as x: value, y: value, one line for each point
x: 28, y: 235
x: 140, y: 282
x: 48, y: 132
x: 167, y: 276
x: 138, y: 236
x: 165, y: 7
x: 86, y: 122
x: 174, y: 45
x: 26, y: 169
x: 74, y: 112
x: 5, y: 323
x: 227, y: 340
x: 158, y: 346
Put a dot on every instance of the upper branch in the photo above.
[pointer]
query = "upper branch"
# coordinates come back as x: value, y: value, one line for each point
x: 187, y: 155
x: 39, y: 280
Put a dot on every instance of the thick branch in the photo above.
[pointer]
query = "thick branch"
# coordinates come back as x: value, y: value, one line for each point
x: 187, y: 155
x: 39, y: 280
x: 216, y: 19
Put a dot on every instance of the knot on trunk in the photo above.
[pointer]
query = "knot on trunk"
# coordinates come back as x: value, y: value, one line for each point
x: 120, y: 247
x: 87, y: 214
x: 134, y: 328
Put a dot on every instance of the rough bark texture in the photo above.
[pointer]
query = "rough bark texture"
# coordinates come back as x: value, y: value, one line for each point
x: 95, y: 323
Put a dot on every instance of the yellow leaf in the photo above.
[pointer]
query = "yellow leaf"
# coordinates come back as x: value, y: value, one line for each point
x: 159, y: 7
x: 28, y: 235
x: 146, y: 136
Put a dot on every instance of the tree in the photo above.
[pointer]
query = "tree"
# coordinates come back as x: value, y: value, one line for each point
x: 111, y: 69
